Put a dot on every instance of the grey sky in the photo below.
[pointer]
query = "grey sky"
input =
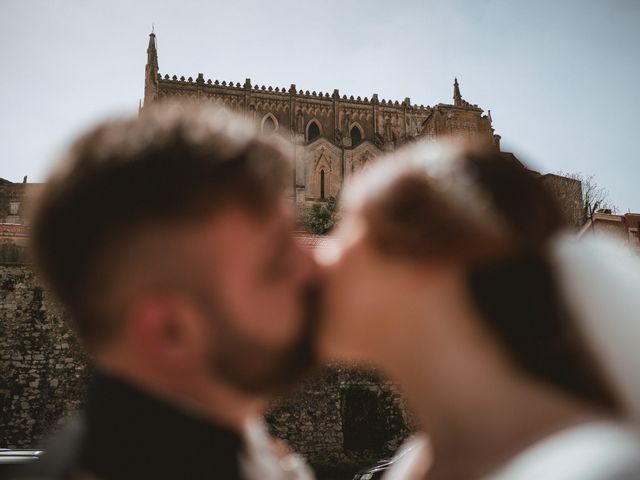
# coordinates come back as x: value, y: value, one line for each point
x: 561, y: 77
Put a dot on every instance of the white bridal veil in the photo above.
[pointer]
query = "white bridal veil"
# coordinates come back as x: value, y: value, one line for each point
x: 600, y: 281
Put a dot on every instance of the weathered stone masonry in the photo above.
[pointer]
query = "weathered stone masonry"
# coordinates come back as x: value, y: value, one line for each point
x: 42, y: 367
x: 333, y: 136
x: 347, y: 417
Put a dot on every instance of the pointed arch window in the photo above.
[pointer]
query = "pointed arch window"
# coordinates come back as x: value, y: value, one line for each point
x: 322, y: 184
x: 356, y: 136
x: 269, y: 124
x: 313, y: 131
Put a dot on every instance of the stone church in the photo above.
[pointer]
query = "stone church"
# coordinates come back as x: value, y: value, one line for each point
x: 333, y: 135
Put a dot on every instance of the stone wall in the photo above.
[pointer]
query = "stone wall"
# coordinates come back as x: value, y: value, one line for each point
x: 568, y: 192
x: 42, y: 367
x: 344, y: 418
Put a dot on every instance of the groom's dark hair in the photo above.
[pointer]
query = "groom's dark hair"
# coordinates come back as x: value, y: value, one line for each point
x: 174, y: 165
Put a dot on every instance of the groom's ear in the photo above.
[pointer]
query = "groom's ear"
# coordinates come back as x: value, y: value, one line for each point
x: 168, y: 328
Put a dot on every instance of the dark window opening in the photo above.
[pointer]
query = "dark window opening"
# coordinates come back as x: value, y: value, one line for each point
x: 361, y: 423
x: 314, y: 132
x: 322, y: 184
x: 356, y: 136
x: 269, y: 125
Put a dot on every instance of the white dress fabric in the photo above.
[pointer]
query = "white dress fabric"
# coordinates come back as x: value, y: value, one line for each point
x: 259, y: 460
x: 592, y: 451
x: 412, y: 460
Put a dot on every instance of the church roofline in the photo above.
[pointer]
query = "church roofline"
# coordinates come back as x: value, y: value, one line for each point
x: 166, y: 79
x: 465, y: 106
x: 208, y: 84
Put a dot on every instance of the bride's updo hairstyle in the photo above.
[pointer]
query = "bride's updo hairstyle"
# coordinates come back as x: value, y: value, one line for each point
x: 479, y: 209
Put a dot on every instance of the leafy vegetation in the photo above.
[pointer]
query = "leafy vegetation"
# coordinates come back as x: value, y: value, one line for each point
x: 320, y: 218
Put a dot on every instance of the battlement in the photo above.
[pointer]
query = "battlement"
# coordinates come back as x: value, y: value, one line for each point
x: 299, y: 93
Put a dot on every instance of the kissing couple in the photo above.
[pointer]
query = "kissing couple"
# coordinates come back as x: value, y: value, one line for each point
x: 169, y: 240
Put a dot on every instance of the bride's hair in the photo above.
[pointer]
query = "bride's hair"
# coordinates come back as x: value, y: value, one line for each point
x: 496, y: 218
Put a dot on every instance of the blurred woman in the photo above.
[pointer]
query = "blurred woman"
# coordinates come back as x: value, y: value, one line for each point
x: 449, y: 275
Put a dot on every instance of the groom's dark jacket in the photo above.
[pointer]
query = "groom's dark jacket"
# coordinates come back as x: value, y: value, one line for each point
x: 126, y: 433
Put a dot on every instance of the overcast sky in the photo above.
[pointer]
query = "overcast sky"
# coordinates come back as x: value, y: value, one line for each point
x: 561, y: 78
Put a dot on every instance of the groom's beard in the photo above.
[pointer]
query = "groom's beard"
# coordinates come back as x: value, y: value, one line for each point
x: 257, y: 369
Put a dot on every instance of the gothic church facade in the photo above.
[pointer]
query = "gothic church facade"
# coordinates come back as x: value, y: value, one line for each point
x: 333, y: 136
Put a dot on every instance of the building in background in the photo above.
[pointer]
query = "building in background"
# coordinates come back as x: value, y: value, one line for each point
x: 14, y: 198
x: 624, y: 227
x: 14, y: 225
x: 333, y: 135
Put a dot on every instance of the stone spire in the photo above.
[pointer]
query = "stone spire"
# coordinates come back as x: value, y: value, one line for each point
x: 457, y: 98
x: 151, y: 71
x: 152, y: 53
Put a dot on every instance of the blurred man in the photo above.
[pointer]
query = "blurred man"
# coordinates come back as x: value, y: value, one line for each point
x: 168, y: 239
